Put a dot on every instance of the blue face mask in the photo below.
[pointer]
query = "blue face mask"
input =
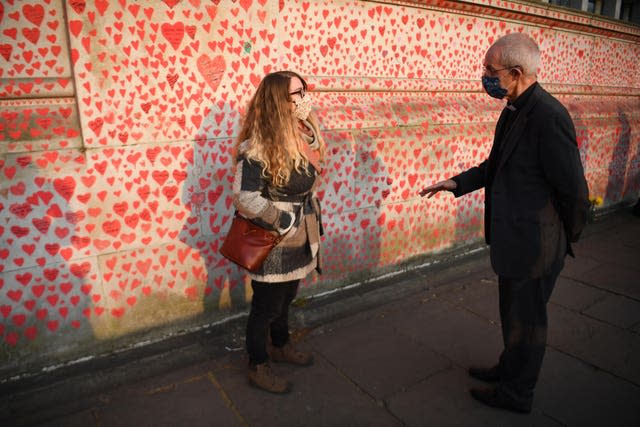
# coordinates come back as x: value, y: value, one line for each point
x: 492, y: 86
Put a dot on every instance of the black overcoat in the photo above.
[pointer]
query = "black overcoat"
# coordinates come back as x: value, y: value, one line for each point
x: 536, y: 195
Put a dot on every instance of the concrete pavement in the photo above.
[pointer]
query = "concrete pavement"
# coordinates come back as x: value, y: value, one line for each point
x: 394, y: 354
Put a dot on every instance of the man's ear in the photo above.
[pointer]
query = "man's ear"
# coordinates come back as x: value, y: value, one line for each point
x: 516, y: 71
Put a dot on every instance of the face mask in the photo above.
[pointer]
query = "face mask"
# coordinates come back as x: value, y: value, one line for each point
x: 492, y: 86
x: 303, y: 107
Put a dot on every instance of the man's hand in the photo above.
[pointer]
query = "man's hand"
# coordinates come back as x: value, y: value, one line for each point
x: 448, y: 185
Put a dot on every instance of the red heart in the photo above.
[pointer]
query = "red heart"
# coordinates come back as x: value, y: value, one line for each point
x: 117, y: 312
x: 171, y: 3
x: 52, y: 248
x: 111, y: 227
x: 31, y: 34
x: 160, y: 176
x: 5, y: 51
x: 42, y: 224
x: 173, y: 33
x: 33, y: 14
x: 80, y: 270
x: 78, y: 5
x: 102, y: 6
x: 96, y: 125
x: 65, y: 186
x: 211, y: 70
x: 20, y: 210
x: 24, y: 278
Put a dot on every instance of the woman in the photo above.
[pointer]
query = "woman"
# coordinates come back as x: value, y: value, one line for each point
x: 279, y: 156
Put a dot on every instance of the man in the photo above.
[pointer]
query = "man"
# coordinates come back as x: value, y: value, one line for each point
x: 536, y: 202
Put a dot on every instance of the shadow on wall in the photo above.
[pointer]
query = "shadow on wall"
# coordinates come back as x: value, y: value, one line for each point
x: 617, y: 171
x: 355, y: 193
x: 582, y: 139
x: 51, y: 285
x: 208, y: 196
x: 632, y: 179
x: 372, y: 201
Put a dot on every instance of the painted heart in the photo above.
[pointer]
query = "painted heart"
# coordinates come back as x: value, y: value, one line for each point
x: 34, y: 14
x: 31, y: 34
x: 174, y: 33
x: 5, y: 51
x: 211, y: 70
x: 171, y: 3
x: 96, y: 125
x: 101, y: 6
x: 65, y: 187
x: 78, y: 5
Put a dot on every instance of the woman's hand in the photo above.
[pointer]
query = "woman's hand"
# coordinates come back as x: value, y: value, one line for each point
x: 284, y: 228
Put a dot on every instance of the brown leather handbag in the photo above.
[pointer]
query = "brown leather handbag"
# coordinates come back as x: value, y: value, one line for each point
x: 248, y: 244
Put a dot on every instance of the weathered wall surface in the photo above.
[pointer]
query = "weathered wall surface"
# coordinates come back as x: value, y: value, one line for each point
x: 117, y: 118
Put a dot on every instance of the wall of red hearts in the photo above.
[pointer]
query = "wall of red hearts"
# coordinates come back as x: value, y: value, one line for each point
x: 117, y: 119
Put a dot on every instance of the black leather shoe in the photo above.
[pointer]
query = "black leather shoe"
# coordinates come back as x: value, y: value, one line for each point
x: 485, y: 374
x: 492, y: 397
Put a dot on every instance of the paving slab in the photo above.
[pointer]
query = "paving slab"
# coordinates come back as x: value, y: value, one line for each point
x: 367, y: 352
x: 321, y: 396
x: 574, y: 268
x: 443, y: 400
x: 452, y: 331
x: 575, y: 295
x: 161, y: 381
x: 613, y: 278
x: 479, y: 297
x: 629, y: 235
x: 617, y: 310
x: 577, y: 394
x: 600, y: 344
x: 195, y: 402
x: 610, y: 250
x: 81, y: 419
x: 89, y: 388
x: 301, y: 315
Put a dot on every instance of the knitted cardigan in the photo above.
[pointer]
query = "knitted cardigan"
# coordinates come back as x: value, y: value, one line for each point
x: 255, y: 198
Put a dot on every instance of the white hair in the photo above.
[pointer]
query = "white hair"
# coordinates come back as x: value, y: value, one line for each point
x: 518, y: 49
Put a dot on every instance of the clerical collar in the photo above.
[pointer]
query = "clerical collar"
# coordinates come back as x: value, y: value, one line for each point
x: 522, y: 99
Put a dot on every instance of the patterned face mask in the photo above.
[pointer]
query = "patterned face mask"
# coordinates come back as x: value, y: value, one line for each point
x: 303, y: 107
x: 492, y: 86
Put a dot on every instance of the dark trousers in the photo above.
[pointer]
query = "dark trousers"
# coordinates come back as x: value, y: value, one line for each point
x: 269, y: 315
x: 523, y: 313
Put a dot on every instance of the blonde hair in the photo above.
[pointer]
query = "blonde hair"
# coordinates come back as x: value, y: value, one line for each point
x: 271, y: 129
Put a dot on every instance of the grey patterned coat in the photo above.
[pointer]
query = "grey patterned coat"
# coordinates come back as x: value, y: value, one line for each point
x: 256, y: 199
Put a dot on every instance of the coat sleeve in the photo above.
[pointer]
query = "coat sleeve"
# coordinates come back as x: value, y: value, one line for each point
x: 476, y: 178
x: 562, y: 168
x: 470, y: 180
x: 248, y: 199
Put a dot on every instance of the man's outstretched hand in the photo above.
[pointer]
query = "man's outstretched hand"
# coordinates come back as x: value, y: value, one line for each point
x: 431, y: 190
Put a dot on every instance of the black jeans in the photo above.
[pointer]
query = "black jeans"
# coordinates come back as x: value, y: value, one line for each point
x: 269, y: 314
x: 523, y: 313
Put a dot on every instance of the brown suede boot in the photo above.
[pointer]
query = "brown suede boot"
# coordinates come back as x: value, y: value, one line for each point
x: 289, y: 354
x: 263, y: 377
